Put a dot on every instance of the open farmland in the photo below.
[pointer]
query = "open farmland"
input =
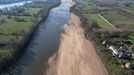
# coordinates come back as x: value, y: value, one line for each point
x: 129, y: 9
x: 120, y: 21
x: 114, y: 17
x: 90, y: 12
x: 33, y: 10
x: 14, y: 28
x: 102, y: 23
x: 10, y: 28
x: 120, y: 2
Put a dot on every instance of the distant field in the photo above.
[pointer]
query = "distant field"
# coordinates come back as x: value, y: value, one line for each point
x: 121, y: 2
x: 99, y: 20
x: 14, y: 27
x: 129, y: 9
x: 114, y: 17
x: 11, y: 27
x: 33, y: 10
x: 131, y: 36
x: 85, y: 7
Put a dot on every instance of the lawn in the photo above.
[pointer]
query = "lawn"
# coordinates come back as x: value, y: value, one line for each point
x: 99, y: 20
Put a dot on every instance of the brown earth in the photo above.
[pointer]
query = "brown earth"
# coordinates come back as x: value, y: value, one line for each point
x: 76, y: 55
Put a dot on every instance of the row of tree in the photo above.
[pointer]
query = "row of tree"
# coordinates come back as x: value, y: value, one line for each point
x: 16, y: 11
x: 10, y: 1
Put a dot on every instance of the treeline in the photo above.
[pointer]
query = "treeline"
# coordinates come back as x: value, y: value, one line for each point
x: 15, y: 11
x: 10, y: 1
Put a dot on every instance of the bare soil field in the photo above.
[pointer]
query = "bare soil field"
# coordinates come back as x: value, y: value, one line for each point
x: 76, y: 55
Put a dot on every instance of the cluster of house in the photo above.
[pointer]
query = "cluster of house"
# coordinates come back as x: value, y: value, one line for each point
x: 122, y: 52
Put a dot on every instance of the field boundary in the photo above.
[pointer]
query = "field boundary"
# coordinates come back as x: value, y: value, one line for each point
x: 107, y: 21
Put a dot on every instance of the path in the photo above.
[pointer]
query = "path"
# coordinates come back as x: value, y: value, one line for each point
x: 107, y: 21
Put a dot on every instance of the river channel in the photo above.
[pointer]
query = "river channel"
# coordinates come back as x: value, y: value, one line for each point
x: 44, y: 43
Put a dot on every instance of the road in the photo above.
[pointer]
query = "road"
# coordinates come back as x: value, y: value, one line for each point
x: 76, y: 55
x: 107, y: 21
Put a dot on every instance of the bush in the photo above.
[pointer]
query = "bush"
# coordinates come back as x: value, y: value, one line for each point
x: 2, y: 21
x: 17, y: 19
x: 9, y: 17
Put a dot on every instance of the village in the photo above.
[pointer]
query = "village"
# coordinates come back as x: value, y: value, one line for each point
x: 121, y: 50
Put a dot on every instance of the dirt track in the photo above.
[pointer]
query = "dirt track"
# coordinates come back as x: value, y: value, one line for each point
x: 76, y: 55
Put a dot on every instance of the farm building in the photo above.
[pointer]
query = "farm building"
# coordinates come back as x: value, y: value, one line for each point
x: 122, y: 53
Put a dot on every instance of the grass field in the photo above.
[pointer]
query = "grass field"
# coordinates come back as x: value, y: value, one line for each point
x: 11, y: 26
x: 114, y: 17
x: 129, y: 9
x: 99, y: 20
x: 33, y: 10
x: 131, y: 36
x: 112, y: 64
x: 85, y: 7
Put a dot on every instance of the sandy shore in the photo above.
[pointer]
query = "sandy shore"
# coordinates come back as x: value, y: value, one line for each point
x: 76, y: 55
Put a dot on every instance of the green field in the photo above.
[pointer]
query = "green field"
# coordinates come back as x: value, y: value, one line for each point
x: 129, y: 9
x: 99, y: 20
x: 33, y: 10
x: 131, y: 36
x: 114, y: 17
x: 85, y: 7
x: 11, y: 26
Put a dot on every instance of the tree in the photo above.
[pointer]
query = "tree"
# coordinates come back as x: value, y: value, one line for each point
x: 94, y: 24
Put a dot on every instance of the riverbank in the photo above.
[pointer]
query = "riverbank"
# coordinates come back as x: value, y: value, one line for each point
x: 20, y: 49
x: 76, y: 55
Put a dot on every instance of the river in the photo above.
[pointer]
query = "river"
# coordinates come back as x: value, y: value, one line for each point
x: 44, y: 43
x: 13, y: 4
